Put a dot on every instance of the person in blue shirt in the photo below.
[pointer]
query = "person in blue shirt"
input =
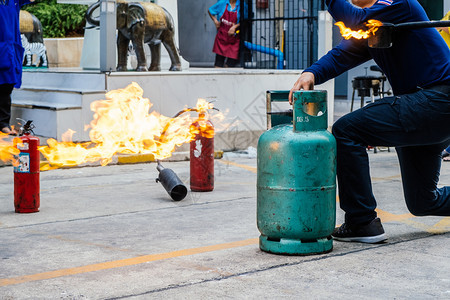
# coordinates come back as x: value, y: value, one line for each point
x: 226, y: 17
x: 11, y: 58
x: 414, y: 120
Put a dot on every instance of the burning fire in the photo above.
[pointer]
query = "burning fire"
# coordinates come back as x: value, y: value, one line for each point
x: 7, y: 150
x: 122, y: 124
x: 348, y: 33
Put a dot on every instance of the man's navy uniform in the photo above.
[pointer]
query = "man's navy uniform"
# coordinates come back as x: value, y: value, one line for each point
x: 415, y: 120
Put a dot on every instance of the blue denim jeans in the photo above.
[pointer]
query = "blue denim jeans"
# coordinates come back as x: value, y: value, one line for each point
x: 417, y: 125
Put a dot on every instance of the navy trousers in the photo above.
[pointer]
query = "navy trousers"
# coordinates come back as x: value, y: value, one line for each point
x: 5, y: 104
x: 417, y: 125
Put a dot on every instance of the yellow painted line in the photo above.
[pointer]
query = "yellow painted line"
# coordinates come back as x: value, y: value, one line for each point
x: 398, y: 176
x: 135, y: 158
x: 444, y: 223
x: 218, y: 154
x: 418, y: 225
x: 248, y: 168
x: 441, y: 227
x: 388, y: 217
x: 124, y: 262
x: 123, y: 159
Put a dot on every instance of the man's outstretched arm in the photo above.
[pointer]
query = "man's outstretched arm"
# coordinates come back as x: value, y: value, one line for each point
x: 348, y: 54
x: 385, y: 11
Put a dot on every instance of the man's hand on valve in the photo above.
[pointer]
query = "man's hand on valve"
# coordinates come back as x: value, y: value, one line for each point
x: 304, y: 82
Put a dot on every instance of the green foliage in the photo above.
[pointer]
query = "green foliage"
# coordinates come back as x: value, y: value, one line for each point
x: 59, y: 20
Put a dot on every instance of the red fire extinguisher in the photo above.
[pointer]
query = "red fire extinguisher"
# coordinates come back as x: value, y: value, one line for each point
x: 26, y: 173
x: 202, y: 155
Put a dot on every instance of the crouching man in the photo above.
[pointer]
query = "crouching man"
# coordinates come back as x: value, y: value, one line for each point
x: 414, y: 120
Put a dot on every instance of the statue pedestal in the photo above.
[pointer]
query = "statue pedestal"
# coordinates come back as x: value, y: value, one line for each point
x: 90, y: 56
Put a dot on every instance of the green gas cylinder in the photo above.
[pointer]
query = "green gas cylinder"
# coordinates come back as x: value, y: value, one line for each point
x: 296, y: 181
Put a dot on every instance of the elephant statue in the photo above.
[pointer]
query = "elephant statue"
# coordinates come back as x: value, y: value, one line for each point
x: 32, y: 39
x: 31, y: 27
x: 142, y: 23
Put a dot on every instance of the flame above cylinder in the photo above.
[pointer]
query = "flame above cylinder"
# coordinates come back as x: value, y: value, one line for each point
x: 348, y: 33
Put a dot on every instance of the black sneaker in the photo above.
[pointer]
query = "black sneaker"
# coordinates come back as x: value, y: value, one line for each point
x: 370, y: 233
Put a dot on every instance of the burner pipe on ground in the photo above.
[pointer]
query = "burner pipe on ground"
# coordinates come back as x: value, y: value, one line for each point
x: 171, y: 183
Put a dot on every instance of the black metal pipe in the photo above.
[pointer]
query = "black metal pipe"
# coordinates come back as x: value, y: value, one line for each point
x: 171, y: 183
x: 423, y: 24
x: 384, y: 36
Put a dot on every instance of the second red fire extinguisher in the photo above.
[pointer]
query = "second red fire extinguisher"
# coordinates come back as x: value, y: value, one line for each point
x: 26, y: 173
x: 202, y: 155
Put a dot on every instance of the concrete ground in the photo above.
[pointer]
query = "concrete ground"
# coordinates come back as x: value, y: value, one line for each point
x: 113, y: 233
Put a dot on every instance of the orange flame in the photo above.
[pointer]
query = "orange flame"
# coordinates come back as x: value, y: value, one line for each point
x: 348, y: 33
x: 202, y: 126
x: 7, y: 149
x: 203, y: 106
x: 122, y: 124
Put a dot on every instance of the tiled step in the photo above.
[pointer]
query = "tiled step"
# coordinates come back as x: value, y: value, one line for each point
x: 75, y: 81
x: 49, y: 121
x: 51, y: 97
x: 57, y: 101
